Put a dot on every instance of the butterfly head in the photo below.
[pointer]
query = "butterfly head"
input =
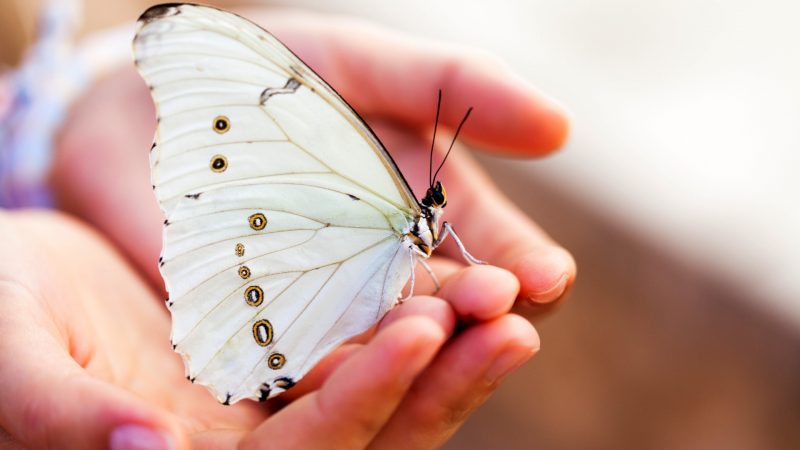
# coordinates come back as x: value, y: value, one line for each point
x: 436, y: 197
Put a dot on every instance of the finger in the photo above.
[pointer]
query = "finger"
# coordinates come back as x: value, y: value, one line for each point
x: 433, y: 308
x: 317, y: 376
x: 463, y: 375
x: 443, y: 268
x: 480, y: 293
x: 536, y: 310
x: 474, y: 293
x: 391, y: 74
x: 357, y: 400
x: 49, y: 401
x: 496, y: 231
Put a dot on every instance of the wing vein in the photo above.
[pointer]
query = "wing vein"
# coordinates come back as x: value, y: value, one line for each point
x: 256, y: 181
x: 161, y: 53
x: 285, y: 332
x: 350, y: 305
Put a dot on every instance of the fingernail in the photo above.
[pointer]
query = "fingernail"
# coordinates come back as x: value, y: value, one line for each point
x: 508, y: 361
x: 137, y: 437
x: 551, y: 293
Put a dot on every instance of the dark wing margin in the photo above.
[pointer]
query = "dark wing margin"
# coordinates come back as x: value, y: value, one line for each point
x: 162, y: 10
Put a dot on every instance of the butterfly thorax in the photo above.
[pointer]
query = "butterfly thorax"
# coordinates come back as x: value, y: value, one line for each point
x: 425, y: 234
x: 425, y: 231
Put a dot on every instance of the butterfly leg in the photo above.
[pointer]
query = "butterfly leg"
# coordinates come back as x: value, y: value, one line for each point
x: 411, y: 286
x: 447, y: 229
x: 433, y: 275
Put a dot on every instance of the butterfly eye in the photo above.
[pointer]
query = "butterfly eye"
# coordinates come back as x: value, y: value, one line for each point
x: 262, y: 332
x: 219, y: 163
x: 438, y: 198
x: 258, y: 221
x: 222, y: 124
x: 239, y: 250
x: 244, y: 272
x: 276, y: 361
x: 253, y: 295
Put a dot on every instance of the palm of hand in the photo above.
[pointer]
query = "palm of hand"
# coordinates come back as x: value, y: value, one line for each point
x: 83, y: 317
x: 80, y: 313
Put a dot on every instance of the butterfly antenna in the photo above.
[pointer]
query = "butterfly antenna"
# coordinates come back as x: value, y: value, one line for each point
x: 433, y: 141
x: 458, y: 130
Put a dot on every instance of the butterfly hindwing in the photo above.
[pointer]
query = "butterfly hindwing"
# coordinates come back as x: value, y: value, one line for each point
x: 313, y: 282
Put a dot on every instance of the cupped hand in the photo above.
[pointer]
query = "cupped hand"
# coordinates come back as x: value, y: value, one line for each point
x: 85, y: 360
x: 394, y: 386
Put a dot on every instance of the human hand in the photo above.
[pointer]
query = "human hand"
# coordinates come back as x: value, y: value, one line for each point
x: 101, y: 173
x: 85, y: 360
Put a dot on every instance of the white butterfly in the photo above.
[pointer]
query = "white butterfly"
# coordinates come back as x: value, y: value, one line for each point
x: 289, y: 227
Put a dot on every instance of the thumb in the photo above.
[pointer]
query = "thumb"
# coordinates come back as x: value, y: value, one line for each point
x: 79, y: 411
x: 50, y: 401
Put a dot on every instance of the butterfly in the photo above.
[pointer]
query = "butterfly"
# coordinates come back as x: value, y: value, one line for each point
x: 289, y: 228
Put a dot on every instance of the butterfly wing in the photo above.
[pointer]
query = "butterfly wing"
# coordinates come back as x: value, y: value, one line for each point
x: 286, y: 217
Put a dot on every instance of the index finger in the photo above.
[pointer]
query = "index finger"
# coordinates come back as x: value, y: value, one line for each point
x: 396, y: 76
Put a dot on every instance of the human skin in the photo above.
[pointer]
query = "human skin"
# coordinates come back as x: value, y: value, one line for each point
x: 85, y: 357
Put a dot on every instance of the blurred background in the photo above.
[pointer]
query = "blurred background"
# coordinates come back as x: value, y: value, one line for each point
x: 677, y: 193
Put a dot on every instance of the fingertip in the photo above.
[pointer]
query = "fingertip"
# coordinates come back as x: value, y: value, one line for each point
x: 511, y: 114
x: 549, y: 121
x: 410, y: 343
x: 521, y: 344
x: 133, y: 424
x: 550, y: 133
x: 545, y: 274
x: 521, y: 333
x: 433, y: 308
x: 90, y: 413
x: 125, y: 417
x: 505, y: 344
x: 135, y: 437
x: 481, y: 292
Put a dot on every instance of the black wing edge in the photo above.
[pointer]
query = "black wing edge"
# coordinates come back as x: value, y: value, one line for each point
x: 162, y: 10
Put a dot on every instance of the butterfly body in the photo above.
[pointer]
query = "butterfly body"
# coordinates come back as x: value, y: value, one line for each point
x: 289, y: 228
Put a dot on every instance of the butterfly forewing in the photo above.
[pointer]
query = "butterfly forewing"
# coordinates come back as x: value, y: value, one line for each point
x: 285, y: 215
